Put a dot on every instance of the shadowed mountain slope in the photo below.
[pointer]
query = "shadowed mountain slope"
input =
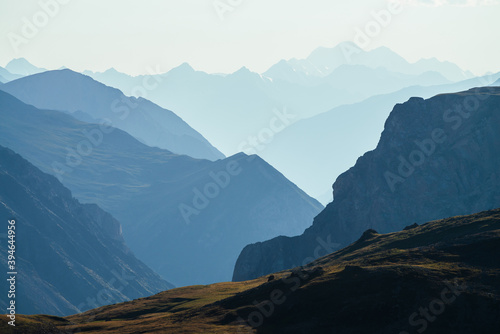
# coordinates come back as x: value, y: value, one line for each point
x: 175, y: 210
x: 439, y: 277
x: 70, y: 257
x: 89, y: 100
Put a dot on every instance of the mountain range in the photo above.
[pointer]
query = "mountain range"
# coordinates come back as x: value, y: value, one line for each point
x: 257, y: 113
x: 89, y: 100
x: 6, y: 76
x: 436, y: 158
x: 323, y: 61
x: 185, y: 218
x: 231, y: 109
x: 22, y: 67
x: 70, y: 257
x: 155, y: 202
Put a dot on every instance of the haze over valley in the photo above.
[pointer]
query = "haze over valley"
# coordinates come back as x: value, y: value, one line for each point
x: 250, y: 167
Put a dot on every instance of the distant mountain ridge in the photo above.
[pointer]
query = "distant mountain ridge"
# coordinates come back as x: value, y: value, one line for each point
x: 70, y: 257
x: 436, y: 158
x: 7, y: 76
x: 90, y: 100
x: 22, y: 67
x: 323, y: 61
x: 233, y: 108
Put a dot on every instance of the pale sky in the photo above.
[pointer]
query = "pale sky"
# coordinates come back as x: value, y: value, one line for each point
x: 134, y: 35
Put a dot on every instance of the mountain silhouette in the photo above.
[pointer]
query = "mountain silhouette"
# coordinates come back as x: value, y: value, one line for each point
x: 89, y: 100
x: 436, y: 158
x: 22, y: 67
x: 346, y: 133
x: 70, y: 257
x: 186, y: 218
x: 230, y: 110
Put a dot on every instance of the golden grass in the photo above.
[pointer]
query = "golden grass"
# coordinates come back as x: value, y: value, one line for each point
x: 194, y: 309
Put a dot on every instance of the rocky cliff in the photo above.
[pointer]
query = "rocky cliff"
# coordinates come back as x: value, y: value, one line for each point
x: 436, y: 158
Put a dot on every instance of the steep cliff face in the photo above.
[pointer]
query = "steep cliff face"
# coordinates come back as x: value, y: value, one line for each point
x: 70, y: 256
x: 436, y: 158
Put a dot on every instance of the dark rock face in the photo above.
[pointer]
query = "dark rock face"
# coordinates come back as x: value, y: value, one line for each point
x: 70, y: 257
x: 436, y: 158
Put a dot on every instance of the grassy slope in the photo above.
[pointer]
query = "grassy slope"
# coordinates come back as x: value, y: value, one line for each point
x: 373, y: 285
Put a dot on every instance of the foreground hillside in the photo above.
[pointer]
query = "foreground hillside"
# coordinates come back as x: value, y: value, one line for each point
x: 440, y: 277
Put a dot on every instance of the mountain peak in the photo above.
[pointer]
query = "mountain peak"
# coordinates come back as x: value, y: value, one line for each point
x: 184, y: 67
x: 23, y: 67
x: 244, y: 72
x: 111, y: 70
x: 19, y: 61
x: 243, y: 69
x: 67, y: 73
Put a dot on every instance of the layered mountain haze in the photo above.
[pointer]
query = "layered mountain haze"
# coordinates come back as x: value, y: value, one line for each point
x: 436, y: 158
x: 346, y: 133
x: 323, y: 61
x: 376, y: 81
x: 230, y: 109
x: 22, y: 67
x: 239, y: 167
x: 92, y: 101
x: 71, y: 257
x: 227, y: 109
x: 188, y: 219
x: 6, y: 76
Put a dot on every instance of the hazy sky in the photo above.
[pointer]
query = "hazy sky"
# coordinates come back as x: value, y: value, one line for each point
x: 132, y: 35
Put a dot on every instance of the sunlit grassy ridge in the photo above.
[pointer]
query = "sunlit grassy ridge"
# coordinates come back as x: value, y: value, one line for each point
x: 374, y: 285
